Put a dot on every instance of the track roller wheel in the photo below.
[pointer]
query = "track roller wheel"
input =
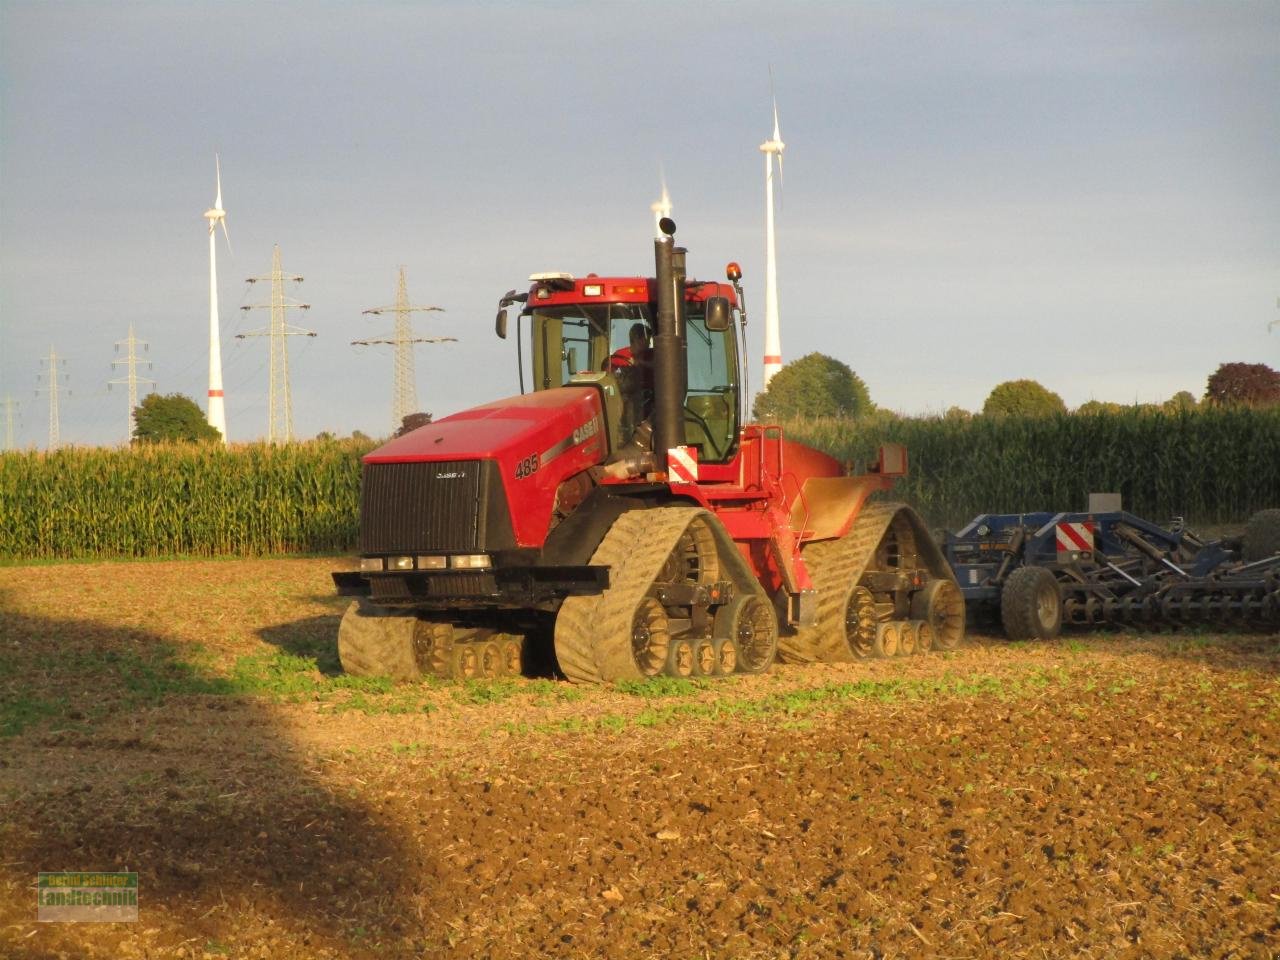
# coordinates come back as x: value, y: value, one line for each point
x: 510, y: 655
x: 888, y: 638
x: 375, y: 642
x: 464, y: 664
x: 906, y: 638
x: 489, y: 659
x: 704, y: 657
x: 650, y: 637
x: 924, y: 635
x: 726, y: 655
x: 751, y: 623
x: 680, y: 662
x: 942, y: 604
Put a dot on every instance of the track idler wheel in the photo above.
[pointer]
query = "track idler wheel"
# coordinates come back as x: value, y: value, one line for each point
x: 941, y: 604
x: 376, y: 642
x: 650, y: 637
x: 750, y: 622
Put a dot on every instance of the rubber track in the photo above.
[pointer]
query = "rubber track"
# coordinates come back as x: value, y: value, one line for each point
x: 836, y: 566
x: 593, y: 634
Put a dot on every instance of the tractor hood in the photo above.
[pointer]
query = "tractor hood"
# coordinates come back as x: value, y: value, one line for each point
x: 534, y: 442
x: 533, y: 423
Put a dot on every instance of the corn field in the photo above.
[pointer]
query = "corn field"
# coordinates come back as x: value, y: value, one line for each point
x: 1212, y: 466
x: 181, y: 499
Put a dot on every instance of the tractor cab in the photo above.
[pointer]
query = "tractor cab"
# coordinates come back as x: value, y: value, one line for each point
x: 600, y: 331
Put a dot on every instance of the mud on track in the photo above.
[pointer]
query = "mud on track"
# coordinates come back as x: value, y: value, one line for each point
x: 1107, y: 796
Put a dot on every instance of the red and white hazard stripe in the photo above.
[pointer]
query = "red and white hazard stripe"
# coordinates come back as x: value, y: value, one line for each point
x: 682, y: 464
x: 1075, y: 536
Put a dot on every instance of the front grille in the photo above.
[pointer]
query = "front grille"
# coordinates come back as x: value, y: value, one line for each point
x: 450, y: 506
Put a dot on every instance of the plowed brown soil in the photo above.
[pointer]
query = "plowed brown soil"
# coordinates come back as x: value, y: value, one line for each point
x: 1108, y: 795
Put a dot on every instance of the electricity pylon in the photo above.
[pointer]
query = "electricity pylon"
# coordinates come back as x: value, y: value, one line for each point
x: 404, y: 398
x: 9, y: 405
x: 280, y: 402
x: 131, y: 359
x: 53, y: 389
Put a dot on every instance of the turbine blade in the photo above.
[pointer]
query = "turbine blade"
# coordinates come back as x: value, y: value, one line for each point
x: 217, y: 166
x: 223, y: 221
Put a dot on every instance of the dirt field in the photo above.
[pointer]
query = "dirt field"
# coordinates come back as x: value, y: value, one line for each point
x: 1105, y: 796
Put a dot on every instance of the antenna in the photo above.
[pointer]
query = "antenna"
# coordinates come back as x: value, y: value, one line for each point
x: 280, y: 403
x: 54, y: 388
x: 662, y: 206
x: 9, y: 405
x: 772, y: 336
x: 404, y: 398
x: 131, y: 359
x: 217, y: 414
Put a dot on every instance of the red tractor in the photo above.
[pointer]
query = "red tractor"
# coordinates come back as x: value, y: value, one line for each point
x: 624, y: 504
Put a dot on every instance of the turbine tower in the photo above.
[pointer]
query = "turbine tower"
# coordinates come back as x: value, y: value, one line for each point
x: 215, y: 215
x: 404, y: 398
x: 771, y: 148
x: 280, y: 402
x: 131, y: 360
x: 660, y: 207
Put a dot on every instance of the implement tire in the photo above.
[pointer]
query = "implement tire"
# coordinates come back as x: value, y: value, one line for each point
x: 1262, y: 535
x: 1031, y: 605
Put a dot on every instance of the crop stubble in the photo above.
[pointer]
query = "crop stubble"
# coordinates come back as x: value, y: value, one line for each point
x: 1104, y: 796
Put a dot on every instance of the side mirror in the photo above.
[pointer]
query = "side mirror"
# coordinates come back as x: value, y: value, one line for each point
x: 500, y: 324
x: 571, y: 357
x: 719, y: 316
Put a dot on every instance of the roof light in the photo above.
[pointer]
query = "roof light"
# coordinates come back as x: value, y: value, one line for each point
x: 592, y: 290
x: 733, y: 272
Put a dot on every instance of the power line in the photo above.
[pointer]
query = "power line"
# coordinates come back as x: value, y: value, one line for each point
x: 9, y: 405
x: 404, y: 397
x: 53, y: 389
x: 280, y: 403
x: 132, y: 379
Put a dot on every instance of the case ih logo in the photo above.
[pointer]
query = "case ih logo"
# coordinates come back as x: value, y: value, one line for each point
x: 1076, y: 536
x: 586, y: 431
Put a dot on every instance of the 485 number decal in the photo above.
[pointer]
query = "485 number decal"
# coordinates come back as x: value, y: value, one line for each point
x: 527, y: 467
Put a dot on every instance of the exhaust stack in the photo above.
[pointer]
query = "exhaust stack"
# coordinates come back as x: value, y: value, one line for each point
x: 670, y: 372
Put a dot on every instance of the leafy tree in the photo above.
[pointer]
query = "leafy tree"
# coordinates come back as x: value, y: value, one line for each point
x: 957, y: 413
x: 814, y: 386
x: 1182, y: 400
x: 412, y: 422
x: 1099, y: 406
x: 1249, y: 384
x: 359, y: 435
x: 1022, y: 398
x: 160, y: 419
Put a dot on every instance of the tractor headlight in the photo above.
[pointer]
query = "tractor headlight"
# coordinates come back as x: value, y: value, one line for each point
x: 432, y: 563
x: 399, y: 563
x: 371, y: 563
x: 470, y: 561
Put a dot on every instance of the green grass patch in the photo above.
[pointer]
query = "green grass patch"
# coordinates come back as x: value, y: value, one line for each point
x: 658, y: 687
x: 23, y: 711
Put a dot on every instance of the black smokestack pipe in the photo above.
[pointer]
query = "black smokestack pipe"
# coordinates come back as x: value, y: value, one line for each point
x: 670, y: 372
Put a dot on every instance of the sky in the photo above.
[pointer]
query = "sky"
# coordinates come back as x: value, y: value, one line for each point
x: 1085, y: 194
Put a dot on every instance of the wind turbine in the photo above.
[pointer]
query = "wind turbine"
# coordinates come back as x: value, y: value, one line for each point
x: 216, y: 215
x: 771, y: 148
x: 662, y: 206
